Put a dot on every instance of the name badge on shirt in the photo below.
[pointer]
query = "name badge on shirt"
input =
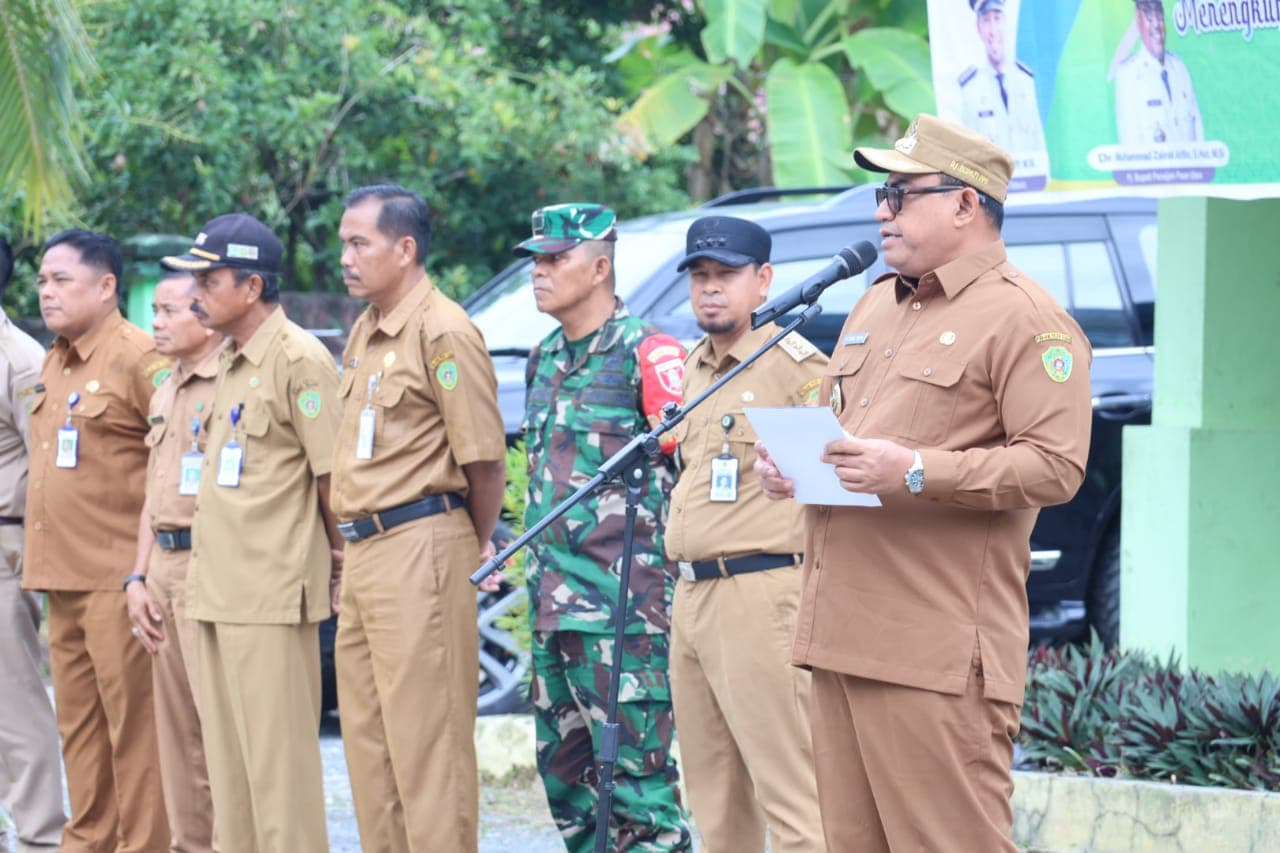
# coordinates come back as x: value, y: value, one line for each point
x: 230, y: 462
x: 724, y: 479
x: 368, y: 420
x: 68, y: 438
x: 68, y: 444
x: 189, y: 473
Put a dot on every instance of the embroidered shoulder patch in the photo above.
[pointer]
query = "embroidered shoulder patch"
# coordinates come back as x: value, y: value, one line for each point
x: 309, y: 404
x: 797, y: 347
x: 1057, y: 363
x: 1043, y: 337
x: 808, y: 392
x: 161, y: 375
x: 447, y: 375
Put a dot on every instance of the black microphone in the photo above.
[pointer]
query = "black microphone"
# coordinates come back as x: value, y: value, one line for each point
x: 848, y: 262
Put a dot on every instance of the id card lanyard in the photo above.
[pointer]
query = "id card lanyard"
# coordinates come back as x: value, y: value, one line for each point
x: 192, y: 460
x: 68, y: 438
x: 724, y: 469
x: 368, y: 422
x: 231, y: 458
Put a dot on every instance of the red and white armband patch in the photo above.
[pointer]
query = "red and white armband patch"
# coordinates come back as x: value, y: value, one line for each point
x: 661, y: 380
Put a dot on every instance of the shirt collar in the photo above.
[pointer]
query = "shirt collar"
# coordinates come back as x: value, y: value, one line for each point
x: 393, y: 321
x: 954, y: 276
x: 255, y: 349
x: 205, y: 368
x: 603, y: 338
x: 89, y: 341
x: 743, y: 347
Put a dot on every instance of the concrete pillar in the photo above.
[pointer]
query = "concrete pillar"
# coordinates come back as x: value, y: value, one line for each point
x: 1200, y: 561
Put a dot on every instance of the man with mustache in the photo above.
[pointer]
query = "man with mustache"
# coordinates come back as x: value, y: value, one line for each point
x: 742, y: 710
x: 963, y: 390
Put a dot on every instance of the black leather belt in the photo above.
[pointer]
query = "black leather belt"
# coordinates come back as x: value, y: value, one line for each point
x: 174, y: 540
x: 721, y: 568
x: 10, y: 519
x: 363, y: 528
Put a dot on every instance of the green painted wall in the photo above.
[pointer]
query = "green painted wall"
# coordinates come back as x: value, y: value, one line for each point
x: 1201, y: 509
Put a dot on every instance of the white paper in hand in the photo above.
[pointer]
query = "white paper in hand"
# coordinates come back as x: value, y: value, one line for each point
x: 794, y: 437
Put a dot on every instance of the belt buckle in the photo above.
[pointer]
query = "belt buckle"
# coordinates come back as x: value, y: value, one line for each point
x: 348, y: 531
x: 686, y: 570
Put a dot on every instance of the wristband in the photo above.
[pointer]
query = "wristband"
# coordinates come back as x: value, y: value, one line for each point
x: 142, y: 579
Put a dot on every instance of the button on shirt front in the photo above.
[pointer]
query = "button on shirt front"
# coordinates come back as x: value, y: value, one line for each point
x: 260, y: 553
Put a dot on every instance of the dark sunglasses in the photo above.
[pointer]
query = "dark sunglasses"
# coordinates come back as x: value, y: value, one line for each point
x: 893, y: 195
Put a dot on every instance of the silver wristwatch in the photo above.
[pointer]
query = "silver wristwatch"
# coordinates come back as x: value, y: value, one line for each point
x: 914, y: 477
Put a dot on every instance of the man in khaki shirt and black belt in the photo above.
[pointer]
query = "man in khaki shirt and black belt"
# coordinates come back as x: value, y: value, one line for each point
x: 418, y: 477
x: 30, y: 778
x: 265, y: 552
x: 963, y: 388
x: 741, y: 709
x: 88, y: 463
x: 157, y: 589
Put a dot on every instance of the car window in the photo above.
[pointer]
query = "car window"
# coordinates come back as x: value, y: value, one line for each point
x: 1082, y: 276
x: 509, y: 317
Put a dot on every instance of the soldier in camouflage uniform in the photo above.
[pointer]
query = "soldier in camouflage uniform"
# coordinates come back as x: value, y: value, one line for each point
x: 593, y: 384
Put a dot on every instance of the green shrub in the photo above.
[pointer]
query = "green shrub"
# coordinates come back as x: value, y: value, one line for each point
x: 1112, y: 713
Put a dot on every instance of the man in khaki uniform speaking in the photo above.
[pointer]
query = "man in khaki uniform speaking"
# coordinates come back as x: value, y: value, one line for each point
x: 30, y: 778
x: 418, y: 476
x: 265, y: 552
x: 741, y: 709
x: 964, y: 389
x: 157, y: 589
x: 88, y: 464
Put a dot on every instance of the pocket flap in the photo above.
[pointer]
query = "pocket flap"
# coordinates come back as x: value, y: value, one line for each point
x: 929, y: 368
x: 846, y: 361
x: 91, y: 406
x: 255, y: 422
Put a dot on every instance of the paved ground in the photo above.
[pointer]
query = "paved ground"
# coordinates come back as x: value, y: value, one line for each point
x: 512, y: 818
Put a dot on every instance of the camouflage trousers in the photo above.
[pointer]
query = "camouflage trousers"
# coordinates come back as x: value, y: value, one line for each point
x: 569, y: 693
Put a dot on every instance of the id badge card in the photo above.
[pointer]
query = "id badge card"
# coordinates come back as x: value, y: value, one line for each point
x: 364, y: 438
x: 230, y: 462
x: 189, y: 473
x: 68, y: 447
x: 724, y: 479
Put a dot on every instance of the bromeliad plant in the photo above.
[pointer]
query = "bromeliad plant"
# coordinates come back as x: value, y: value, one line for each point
x: 1112, y: 713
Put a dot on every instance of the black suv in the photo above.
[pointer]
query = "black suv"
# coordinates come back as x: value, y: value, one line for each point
x: 1097, y: 256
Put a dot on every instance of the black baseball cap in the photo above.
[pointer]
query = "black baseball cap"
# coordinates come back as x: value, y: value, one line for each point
x: 733, y: 242
x: 231, y: 240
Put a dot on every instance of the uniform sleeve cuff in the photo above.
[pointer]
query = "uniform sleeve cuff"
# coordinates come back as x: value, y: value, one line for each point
x: 941, y: 472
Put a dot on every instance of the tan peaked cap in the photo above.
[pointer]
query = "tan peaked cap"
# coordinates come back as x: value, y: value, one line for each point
x: 933, y: 145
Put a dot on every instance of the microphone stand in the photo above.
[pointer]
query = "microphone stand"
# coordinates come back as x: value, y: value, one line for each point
x: 631, y: 462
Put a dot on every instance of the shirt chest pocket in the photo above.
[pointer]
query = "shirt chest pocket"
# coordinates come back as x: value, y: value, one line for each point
x: 604, y: 418
x: 741, y: 438
x: 840, y: 384
x: 923, y: 400
x: 389, y: 401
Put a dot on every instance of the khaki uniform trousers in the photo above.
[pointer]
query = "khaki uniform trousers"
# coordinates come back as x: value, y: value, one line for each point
x: 258, y: 691
x: 30, y: 777
x: 742, y: 713
x: 182, y: 767
x: 406, y: 658
x: 103, y: 699
x: 901, y: 768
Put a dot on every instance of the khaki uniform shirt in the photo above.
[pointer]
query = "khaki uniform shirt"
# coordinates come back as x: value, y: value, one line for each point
x: 260, y: 553
x: 20, y: 359
x: 699, y: 528
x: 434, y: 398
x: 186, y: 394
x: 82, y: 523
x: 988, y: 377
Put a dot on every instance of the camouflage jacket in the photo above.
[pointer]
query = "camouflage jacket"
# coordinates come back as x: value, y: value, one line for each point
x: 577, y: 415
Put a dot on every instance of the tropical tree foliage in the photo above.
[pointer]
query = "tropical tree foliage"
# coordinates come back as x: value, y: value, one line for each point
x: 777, y: 91
x: 42, y: 50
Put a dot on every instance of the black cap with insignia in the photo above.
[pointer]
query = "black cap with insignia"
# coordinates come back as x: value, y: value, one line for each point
x: 231, y: 240
x: 731, y: 241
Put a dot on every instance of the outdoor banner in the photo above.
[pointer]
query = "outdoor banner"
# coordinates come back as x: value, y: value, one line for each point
x: 1173, y: 98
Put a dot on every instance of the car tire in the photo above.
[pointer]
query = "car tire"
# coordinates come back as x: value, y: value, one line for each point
x: 1103, y: 601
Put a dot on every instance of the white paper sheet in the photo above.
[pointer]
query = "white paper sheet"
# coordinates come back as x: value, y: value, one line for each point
x: 794, y: 437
